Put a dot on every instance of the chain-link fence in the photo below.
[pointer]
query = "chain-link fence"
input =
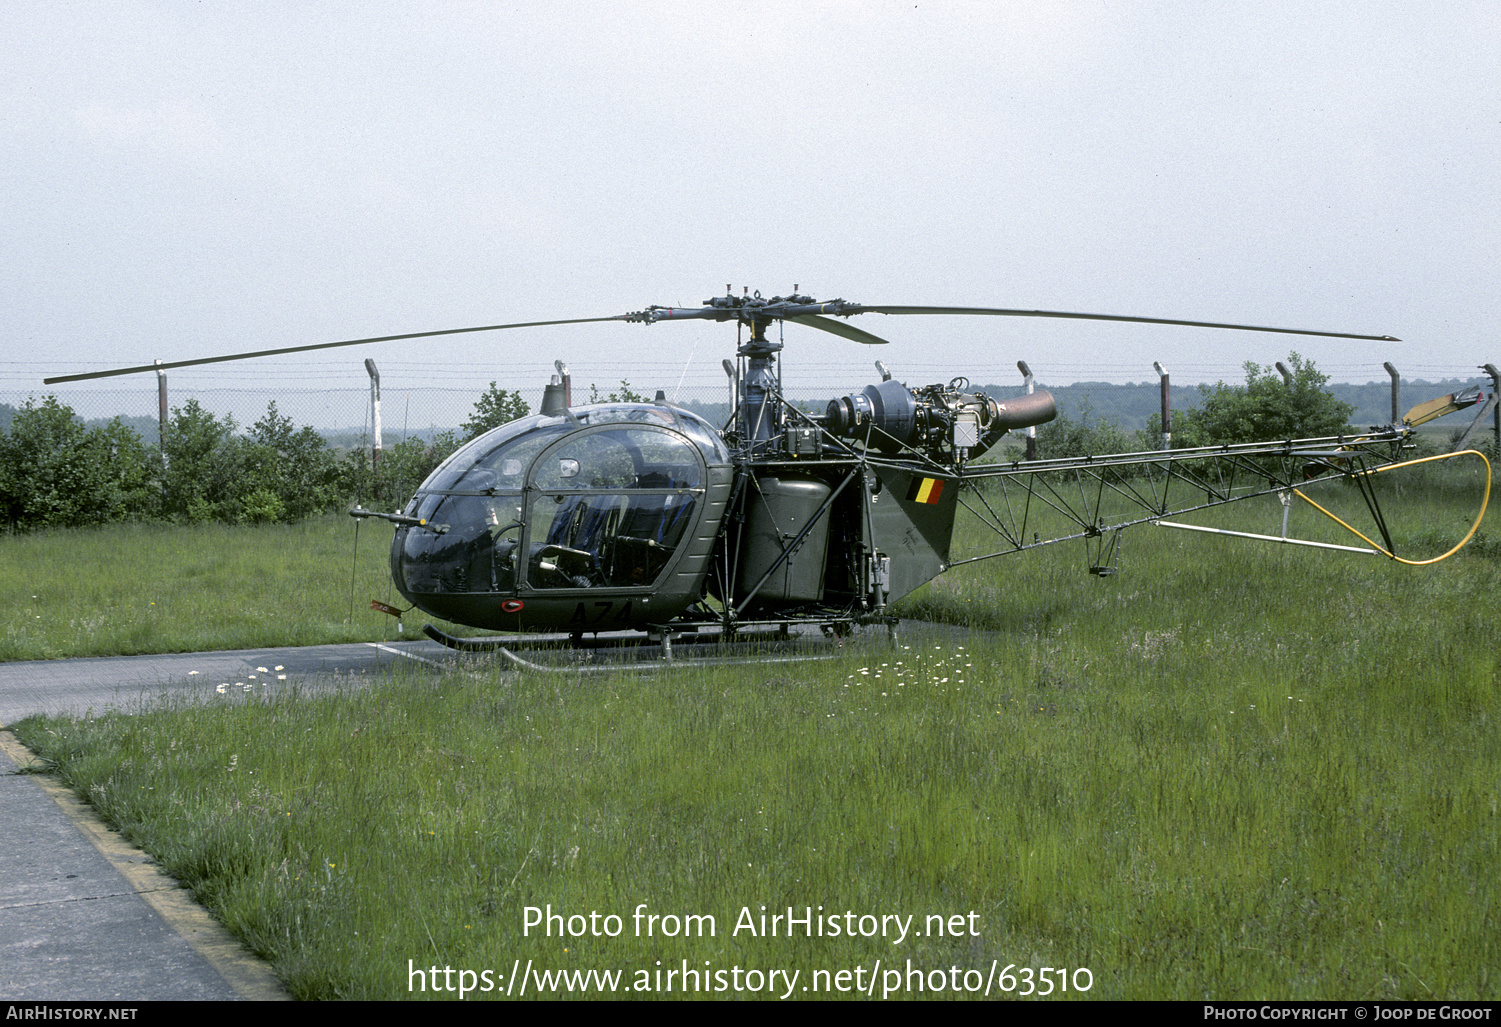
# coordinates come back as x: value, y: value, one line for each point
x: 418, y: 402
x: 342, y: 415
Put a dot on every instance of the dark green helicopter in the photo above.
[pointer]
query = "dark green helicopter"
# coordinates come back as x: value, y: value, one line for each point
x: 644, y: 516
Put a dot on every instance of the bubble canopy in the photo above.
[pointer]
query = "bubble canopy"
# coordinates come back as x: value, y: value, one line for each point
x: 601, y: 496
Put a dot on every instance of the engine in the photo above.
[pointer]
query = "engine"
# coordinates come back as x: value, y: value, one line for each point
x: 943, y: 421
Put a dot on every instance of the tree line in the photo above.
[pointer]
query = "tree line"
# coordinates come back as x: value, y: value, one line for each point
x: 1267, y: 407
x: 57, y: 472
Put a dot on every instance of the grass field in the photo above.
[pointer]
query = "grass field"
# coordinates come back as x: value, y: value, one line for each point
x: 1230, y: 771
x: 155, y: 588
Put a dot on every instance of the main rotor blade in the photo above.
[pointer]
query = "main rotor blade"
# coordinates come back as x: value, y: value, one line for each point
x: 838, y: 328
x: 167, y: 365
x: 992, y: 311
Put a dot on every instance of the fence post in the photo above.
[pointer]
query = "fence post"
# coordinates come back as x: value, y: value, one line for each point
x: 374, y: 414
x: 161, y: 413
x: 1396, y: 392
x: 1167, y: 407
x: 1021, y: 365
x: 1490, y: 369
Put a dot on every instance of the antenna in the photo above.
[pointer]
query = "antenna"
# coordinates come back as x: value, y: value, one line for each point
x: 686, y: 364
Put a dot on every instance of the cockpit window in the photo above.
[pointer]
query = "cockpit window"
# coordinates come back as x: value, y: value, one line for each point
x: 556, y: 503
x: 703, y: 433
x: 610, y: 507
x: 686, y: 421
x: 618, y: 412
x: 499, y: 459
x: 470, y: 545
x: 615, y: 539
x: 621, y: 458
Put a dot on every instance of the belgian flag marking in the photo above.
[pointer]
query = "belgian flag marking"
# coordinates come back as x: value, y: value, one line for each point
x: 925, y: 490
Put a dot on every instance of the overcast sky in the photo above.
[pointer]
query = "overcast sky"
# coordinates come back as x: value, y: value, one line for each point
x: 185, y: 179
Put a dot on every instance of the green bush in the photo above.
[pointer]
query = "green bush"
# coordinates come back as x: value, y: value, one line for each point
x: 54, y: 472
x: 204, y: 466
x: 292, y: 464
x: 1068, y: 437
x: 494, y: 408
x: 1265, y: 408
x: 401, y: 469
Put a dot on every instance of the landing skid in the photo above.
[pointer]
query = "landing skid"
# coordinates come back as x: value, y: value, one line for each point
x: 699, y: 643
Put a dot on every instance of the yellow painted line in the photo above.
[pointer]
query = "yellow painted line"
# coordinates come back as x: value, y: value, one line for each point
x: 249, y: 977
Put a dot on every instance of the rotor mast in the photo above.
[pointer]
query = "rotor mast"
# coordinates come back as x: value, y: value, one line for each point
x: 760, y: 413
x: 758, y: 418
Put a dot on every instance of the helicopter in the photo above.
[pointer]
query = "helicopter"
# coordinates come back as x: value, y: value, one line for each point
x: 645, y: 517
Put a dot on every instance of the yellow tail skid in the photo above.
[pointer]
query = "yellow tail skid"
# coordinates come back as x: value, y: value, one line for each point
x: 1377, y: 547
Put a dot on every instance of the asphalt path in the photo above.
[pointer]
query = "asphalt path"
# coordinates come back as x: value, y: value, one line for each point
x: 127, y: 683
